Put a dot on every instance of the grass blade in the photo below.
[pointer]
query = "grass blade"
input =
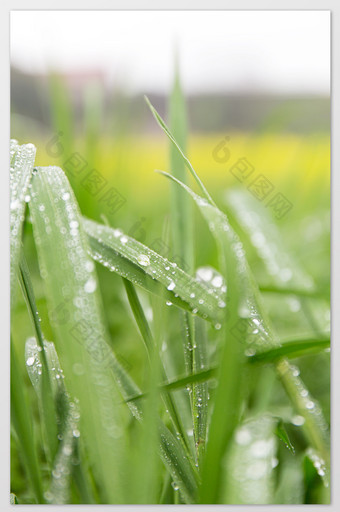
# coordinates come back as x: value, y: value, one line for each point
x: 291, y: 349
x: 253, y: 218
x: 144, y: 267
x: 249, y: 469
x: 21, y: 167
x: 180, y: 151
x: 41, y: 376
x: 81, y: 337
x: 22, y: 422
x: 315, y: 428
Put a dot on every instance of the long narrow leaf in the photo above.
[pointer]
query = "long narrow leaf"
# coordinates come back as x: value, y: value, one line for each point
x: 144, y: 267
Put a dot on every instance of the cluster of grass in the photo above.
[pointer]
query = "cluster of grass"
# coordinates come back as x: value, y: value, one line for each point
x: 212, y: 408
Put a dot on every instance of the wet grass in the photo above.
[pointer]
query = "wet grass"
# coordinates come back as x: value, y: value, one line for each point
x: 136, y: 378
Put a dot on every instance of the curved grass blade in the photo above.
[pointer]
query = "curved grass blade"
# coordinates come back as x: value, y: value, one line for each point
x: 144, y: 267
x: 166, y: 130
x: 291, y: 349
x: 315, y: 426
x: 283, y: 271
x: 22, y: 161
x: 80, y: 334
x: 75, y: 312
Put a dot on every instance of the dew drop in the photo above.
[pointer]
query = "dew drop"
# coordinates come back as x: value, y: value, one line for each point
x: 65, y: 196
x: 143, y: 260
x: 171, y: 286
x: 90, y: 285
x: 298, y: 420
x: 74, y: 224
x: 89, y: 265
x: 30, y: 361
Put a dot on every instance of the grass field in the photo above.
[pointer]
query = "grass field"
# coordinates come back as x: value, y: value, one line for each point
x: 220, y: 320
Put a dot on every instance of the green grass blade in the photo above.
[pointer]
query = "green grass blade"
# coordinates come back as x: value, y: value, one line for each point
x: 181, y: 208
x: 249, y: 466
x: 21, y: 419
x: 181, y: 382
x: 291, y: 349
x: 81, y: 337
x: 282, y: 434
x: 144, y: 267
x: 178, y: 148
x: 140, y: 318
x: 72, y: 286
x: 41, y: 376
x: 61, y: 114
x: 255, y: 220
x: 179, y: 465
x: 246, y: 290
x: 22, y: 161
x: 156, y: 365
x: 183, y: 245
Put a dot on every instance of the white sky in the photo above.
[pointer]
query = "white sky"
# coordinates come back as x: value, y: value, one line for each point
x: 264, y: 51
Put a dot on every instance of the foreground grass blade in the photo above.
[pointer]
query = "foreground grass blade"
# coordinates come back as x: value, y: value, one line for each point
x: 249, y: 466
x: 152, y: 350
x: 183, y: 245
x: 88, y: 362
x: 144, y: 267
x: 80, y: 334
x: 40, y: 376
x: 21, y: 166
x: 22, y: 422
x: 315, y: 426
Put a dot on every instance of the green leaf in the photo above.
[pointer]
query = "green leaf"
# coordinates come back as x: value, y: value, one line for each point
x: 144, y: 267
x: 38, y: 369
x: 22, y: 422
x: 181, y: 207
x: 315, y: 426
x: 249, y: 477
x: 21, y: 166
x: 254, y: 219
x: 281, y: 433
x: 81, y: 336
x: 181, y: 382
x: 291, y: 349
x: 79, y: 331
x: 179, y: 149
